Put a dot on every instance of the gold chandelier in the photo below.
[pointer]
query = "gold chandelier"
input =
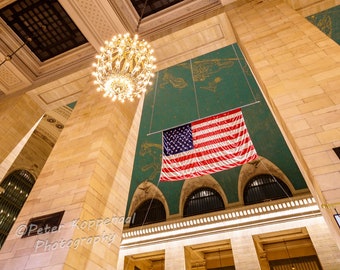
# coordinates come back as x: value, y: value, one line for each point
x: 124, y: 68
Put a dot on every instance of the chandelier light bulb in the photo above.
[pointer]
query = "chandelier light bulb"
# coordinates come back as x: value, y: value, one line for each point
x: 124, y: 68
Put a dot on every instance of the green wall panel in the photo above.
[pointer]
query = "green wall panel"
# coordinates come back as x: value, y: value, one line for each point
x: 199, y: 88
x: 328, y: 21
x: 206, y: 85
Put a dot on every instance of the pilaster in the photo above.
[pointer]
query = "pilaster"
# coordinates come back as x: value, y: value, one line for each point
x: 326, y: 248
x: 88, y: 176
x: 244, y: 252
x: 298, y: 69
x: 175, y: 258
x: 17, y: 116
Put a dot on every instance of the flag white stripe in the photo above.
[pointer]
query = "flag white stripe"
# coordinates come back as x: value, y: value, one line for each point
x: 212, y: 166
x: 218, y: 120
x: 222, y: 126
x: 212, y: 147
x: 219, y: 136
x: 220, y: 154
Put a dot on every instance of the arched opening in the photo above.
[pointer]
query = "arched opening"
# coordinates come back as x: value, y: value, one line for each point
x: 150, y: 211
x: 17, y: 186
x: 203, y: 200
x: 265, y: 187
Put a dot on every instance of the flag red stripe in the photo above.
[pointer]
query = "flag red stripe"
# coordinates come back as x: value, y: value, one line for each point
x: 203, y: 152
x: 166, y: 177
x: 216, y: 132
x: 218, y: 140
x: 201, y: 162
x: 226, y: 122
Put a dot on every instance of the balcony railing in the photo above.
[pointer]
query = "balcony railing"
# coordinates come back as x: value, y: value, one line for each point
x: 296, y: 207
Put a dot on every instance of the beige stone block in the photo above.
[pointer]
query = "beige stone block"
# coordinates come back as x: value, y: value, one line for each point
x: 41, y: 207
x: 324, y: 116
x: 324, y: 245
x: 38, y: 260
x: 293, y: 73
x: 54, y: 267
x: 294, y: 84
x: 332, y: 126
x: 72, y: 213
x: 319, y: 66
x: 332, y: 196
x: 244, y: 245
x: 290, y: 110
x: 24, y: 252
x: 14, y: 263
x: 325, y: 169
x: 79, y: 197
x: 329, y: 181
x: 276, y: 90
x: 300, y: 48
x: 311, y: 59
x: 79, y: 260
x: 334, y: 95
x: 307, y: 132
x: 307, y: 141
x: 102, y: 248
x: 328, y: 74
x: 317, y: 149
x: 298, y: 125
x: 17, y: 117
x: 287, y: 100
x: 23, y: 243
x: 273, y: 80
x: 333, y: 52
x: 7, y: 252
x: 318, y: 159
x: 329, y: 136
x: 61, y: 202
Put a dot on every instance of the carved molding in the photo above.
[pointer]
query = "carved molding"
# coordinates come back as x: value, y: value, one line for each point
x: 191, y: 185
x: 251, y: 216
x: 260, y: 166
x: 145, y: 191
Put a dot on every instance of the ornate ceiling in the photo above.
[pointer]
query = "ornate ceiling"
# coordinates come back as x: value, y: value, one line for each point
x: 177, y: 30
x: 57, y: 79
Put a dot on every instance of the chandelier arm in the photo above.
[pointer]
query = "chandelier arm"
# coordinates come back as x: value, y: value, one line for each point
x: 124, y: 67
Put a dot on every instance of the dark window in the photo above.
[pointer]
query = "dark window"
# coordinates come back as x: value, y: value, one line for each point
x: 308, y: 262
x: 17, y: 186
x: 150, y: 211
x: 223, y: 268
x: 43, y: 224
x: 337, y: 151
x: 145, y: 8
x: 263, y: 188
x: 203, y: 200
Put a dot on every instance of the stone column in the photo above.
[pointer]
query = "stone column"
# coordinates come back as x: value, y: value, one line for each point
x: 175, y: 258
x: 11, y: 158
x: 244, y: 253
x: 88, y: 176
x: 325, y: 246
x: 298, y: 68
x: 17, y: 116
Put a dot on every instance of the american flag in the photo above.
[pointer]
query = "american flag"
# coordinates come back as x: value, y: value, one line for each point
x: 205, y: 146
